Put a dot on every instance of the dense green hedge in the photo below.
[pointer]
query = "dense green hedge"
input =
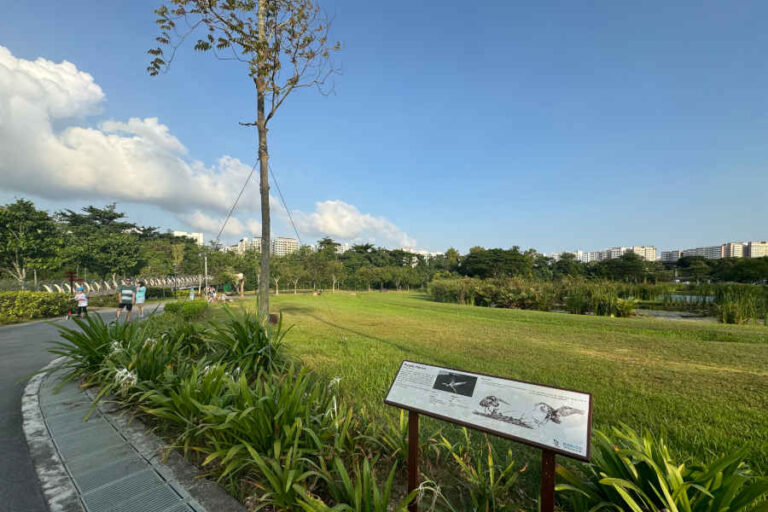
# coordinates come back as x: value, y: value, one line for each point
x: 190, y: 310
x: 157, y: 292
x: 21, y: 306
x: 602, y: 298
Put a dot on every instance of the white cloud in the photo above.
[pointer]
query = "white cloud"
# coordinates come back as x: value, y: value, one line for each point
x: 137, y: 161
x: 45, y: 153
x: 207, y: 224
x: 343, y: 220
x: 254, y: 227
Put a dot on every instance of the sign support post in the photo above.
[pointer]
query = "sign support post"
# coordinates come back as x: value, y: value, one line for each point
x: 547, y: 480
x: 413, y: 457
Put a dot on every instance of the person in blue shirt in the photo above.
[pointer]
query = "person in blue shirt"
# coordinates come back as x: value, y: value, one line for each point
x: 141, y: 296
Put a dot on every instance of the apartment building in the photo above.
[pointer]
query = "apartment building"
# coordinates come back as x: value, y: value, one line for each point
x: 712, y: 252
x: 671, y: 256
x: 647, y: 252
x: 283, y: 245
x: 594, y: 256
x: 246, y: 244
x: 756, y: 249
x: 733, y: 250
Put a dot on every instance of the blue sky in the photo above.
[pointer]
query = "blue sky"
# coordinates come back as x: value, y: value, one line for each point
x: 553, y: 125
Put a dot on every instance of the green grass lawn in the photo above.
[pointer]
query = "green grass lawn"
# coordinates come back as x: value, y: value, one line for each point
x: 704, y: 385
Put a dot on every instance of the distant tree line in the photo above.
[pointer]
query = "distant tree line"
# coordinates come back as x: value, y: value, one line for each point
x: 494, y: 263
x: 99, y: 242
x: 93, y: 243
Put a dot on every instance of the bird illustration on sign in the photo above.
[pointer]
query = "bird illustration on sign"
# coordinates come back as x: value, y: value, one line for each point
x: 456, y: 383
x: 541, y: 414
x: 453, y: 385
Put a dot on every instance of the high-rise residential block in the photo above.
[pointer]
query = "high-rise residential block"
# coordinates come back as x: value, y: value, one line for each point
x: 615, y: 252
x: 757, y: 249
x: 283, y: 245
x: 712, y: 252
x: 671, y: 256
x: 594, y: 256
x: 647, y: 252
x: 733, y: 250
x: 246, y: 244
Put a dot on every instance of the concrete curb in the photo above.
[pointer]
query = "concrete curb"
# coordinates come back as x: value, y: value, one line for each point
x: 59, y: 491
x: 58, y: 485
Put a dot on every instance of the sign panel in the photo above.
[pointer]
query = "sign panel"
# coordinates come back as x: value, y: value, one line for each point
x: 556, y: 419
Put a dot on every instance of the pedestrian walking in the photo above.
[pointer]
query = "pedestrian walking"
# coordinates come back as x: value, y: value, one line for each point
x: 82, y: 302
x: 126, y: 296
x: 141, y: 296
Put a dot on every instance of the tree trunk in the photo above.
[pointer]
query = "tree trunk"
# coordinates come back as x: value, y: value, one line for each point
x: 261, y: 124
x: 277, y: 287
x: 20, y: 273
x: 295, y: 285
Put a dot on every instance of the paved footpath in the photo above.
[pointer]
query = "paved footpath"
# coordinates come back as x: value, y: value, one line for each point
x: 108, y: 463
x: 23, y: 351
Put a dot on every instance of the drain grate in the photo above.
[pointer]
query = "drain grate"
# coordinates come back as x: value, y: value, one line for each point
x: 88, y: 441
x: 110, y: 473
x: 155, y: 500
x: 92, y: 430
x: 109, y: 496
x: 70, y: 422
x: 85, y: 462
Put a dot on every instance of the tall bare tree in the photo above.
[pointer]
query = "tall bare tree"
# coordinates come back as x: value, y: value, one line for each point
x: 285, y: 45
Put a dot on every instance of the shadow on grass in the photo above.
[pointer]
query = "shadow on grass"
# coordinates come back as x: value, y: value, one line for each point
x: 406, y: 349
x: 295, y: 309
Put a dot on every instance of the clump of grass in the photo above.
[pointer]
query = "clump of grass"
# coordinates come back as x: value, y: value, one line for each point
x: 740, y: 304
x: 577, y: 296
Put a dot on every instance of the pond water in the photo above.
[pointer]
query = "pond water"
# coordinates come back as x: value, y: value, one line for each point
x: 688, y: 298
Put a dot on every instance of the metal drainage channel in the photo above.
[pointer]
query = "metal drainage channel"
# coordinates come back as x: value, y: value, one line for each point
x: 109, y: 473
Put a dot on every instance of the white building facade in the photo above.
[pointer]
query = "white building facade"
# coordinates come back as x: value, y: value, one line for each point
x: 671, y: 256
x: 733, y: 250
x: 757, y: 249
x: 712, y: 252
x: 197, y: 237
x: 282, y: 246
x: 647, y: 252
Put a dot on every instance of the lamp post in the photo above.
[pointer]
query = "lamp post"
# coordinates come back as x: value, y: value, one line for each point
x: 205, y: 269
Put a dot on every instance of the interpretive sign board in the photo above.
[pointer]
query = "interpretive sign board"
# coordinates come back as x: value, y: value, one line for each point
x: 554, y: 419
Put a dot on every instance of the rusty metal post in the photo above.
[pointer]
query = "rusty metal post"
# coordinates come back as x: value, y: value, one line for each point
x: 413, y: 457
x: 547, y: 481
